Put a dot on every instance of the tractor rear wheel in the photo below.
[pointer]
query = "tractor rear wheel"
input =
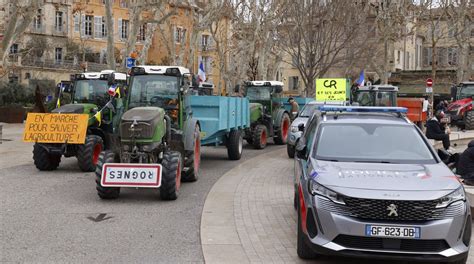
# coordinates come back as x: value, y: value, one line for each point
x: 172, y: 165
x: 469, y: 120
x: 105, y: 192
x: 193, y: 159
x: 44, y: 161
x: 260, y: 137
x: 235, y: 145
x: 282, y: 133
x: 88, y: 153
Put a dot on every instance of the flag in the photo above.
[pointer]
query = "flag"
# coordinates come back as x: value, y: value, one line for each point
x: 112, y: 90
x: 201, y: 73
x: 361, y: 81
x: 58, y: 103
x: 118, y: 92
x: 98, y: 116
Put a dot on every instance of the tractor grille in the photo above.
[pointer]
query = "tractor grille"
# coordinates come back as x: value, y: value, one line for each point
x: 376, y: 243
x: 143, y: 130
x: 377, y: 209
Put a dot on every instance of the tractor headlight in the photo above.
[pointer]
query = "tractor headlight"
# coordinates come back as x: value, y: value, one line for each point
x: 457, y: 195
x: 294, y: 129
x: 317, y: 189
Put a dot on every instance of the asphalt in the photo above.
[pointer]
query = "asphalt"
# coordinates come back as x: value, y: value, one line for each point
x: 53, y: 216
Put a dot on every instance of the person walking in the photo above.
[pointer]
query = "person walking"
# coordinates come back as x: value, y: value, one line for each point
x: 294, y: 107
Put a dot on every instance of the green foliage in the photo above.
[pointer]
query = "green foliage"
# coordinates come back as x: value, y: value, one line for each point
x: 15, y: 94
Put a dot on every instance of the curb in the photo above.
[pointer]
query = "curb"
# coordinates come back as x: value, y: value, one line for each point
x: 219, y: 236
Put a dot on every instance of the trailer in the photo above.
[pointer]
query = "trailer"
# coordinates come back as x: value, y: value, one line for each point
x: 222, y: 121
x: 415, y: 109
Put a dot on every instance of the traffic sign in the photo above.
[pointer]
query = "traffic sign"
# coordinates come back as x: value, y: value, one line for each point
x: 429, y: 82
x: 130, y: 62
x: 429, y: 89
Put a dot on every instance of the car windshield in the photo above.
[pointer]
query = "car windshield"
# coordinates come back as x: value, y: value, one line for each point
x: 364, y: 98
x: 466, y: 91
x: 308, y: 110
x: 259, y: 93
x: 377, y: 143
x: 91, y: 91
x: 153, y: 90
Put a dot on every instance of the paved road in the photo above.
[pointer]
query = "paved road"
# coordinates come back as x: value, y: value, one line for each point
x: 249, y: 217
x: 44, y: 215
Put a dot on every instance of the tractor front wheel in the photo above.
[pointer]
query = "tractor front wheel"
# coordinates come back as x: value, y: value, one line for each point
x: 282, y: 133
x: 105, y: 192
x: 235, y: 145
x: 44, y: 161
x: 172, y: 166
x: 88, y: 153
x: 260, y: 137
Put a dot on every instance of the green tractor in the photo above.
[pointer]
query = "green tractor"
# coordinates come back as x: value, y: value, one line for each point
x: 268, y: 117
x: 89, y: 94
x: 159, y: 139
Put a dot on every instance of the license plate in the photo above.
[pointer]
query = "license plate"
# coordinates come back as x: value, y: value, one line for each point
x: 131, y: 175
x: 392, y: 231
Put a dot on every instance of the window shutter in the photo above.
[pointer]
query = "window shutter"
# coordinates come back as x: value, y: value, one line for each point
x: 76, y: 23
x: 83, y: 25
x: 98, y: 27
x: 119, y: 28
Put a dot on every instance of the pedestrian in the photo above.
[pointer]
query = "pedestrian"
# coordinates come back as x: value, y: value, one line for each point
x: 438, y: 131
x: 465, y: 166
x: 294, y: 107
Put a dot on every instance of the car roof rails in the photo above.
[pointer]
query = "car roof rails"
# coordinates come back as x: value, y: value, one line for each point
x: 362, y: 109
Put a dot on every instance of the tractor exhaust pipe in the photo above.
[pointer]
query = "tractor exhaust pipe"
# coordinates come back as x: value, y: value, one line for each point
x: 168, y: 129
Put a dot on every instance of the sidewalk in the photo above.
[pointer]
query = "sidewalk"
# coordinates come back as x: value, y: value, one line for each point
x: 13, y: 151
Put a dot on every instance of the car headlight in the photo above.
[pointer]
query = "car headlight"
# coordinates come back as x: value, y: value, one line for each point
x: 317, y: 189
x: 294, y: 129
x: 457, y: 195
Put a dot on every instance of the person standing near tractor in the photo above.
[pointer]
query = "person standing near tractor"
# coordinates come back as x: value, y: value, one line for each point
x: 294, y: 107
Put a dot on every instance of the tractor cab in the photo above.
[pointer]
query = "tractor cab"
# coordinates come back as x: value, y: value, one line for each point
x: 460, y: 110
x: 376, y: 95
x: 159, y: 86
x: 264, y: 93
x: 203, y: 88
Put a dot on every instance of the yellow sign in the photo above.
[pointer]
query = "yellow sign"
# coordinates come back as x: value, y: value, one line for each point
x: 331, y: 89
x: 56, y: 128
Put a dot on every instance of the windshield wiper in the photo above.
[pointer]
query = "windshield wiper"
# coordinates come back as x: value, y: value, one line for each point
x: 333, y: 160
x: 373, y: 161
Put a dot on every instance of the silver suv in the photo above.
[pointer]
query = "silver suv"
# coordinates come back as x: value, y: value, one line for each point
x: 368, y: 184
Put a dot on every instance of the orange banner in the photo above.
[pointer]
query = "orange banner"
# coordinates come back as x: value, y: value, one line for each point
x: 56, y: 128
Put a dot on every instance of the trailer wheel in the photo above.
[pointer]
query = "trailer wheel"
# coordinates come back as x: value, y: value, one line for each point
x: 469, y: 120
x: 105, y: 192
x: 235, y: 145
x: 172, y: 165
x: 282, y: 133
x: 290, y: 150
x: 260, y: 137
x: 193, y: 159
x: 88, y: 153
x: 44, y: 161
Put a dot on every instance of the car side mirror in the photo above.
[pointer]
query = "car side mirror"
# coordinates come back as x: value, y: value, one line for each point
x: 301, y: 150
x: 237, y: 88
x: 301, y: 127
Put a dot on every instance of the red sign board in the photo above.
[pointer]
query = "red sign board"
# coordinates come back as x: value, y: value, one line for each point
x: 429, y: 82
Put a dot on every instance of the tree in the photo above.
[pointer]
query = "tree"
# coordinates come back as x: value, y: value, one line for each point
x: 21, y: 16
x: 110, y: 33
x: 316, y: 33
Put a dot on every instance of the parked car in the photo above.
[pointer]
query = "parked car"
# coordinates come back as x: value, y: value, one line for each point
x: 369, y: 184
x: 297, y: 126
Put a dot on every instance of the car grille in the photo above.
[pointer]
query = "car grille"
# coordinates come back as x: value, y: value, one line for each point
x: 376, y: 243
x: 377, y: 209
x: 144, y: 130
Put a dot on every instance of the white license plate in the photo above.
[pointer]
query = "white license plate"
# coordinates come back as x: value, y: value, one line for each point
x: 131, y: 175
x: 392, y: 231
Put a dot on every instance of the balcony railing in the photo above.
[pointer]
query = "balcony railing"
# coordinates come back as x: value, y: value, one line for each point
x: 61, y: 64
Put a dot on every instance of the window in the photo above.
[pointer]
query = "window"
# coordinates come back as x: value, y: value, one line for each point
x: 293, y: 83
x: 104, y: 28
x: 142, y: 33
x: 398, y: 56
x: 14, y: 48
x: 407, y: 60
x: 206, y: 61
x: 100, y: 28
x: 58, y: 25
x: 77, y: 25
x: 452, y: 56
x: 37, y: 23
x: 88, y: 26
x: 123, y: 28
x: 180, y: 35
x: 204, y: 41
x: 123, y: 4
x: 58, y: 55
x: 416, y: 57
x: 441, y: 58
x: 427, y: 59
